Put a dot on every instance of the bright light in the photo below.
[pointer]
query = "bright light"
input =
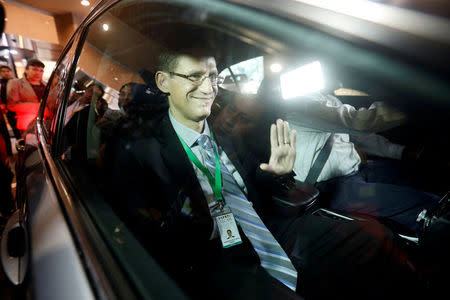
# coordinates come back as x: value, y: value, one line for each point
x: 105, y: 27
x: 302, y: 81
x: 49, y: 66
x: 85, y: 3
x: 276, y: 67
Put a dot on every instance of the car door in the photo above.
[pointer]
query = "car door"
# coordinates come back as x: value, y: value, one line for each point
x: 84, y: 241
x: 39, y: 227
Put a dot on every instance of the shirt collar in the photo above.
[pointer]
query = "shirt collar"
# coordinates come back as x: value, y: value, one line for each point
x: 188, y: 135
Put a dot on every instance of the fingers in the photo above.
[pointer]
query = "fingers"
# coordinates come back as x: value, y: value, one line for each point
x: 286, y: 132
x: 280, y: 134
x: 293, y: 138
x: 273, y: 136
x: 265, y: 167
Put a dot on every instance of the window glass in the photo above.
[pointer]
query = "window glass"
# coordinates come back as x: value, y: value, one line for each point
x: 156, y: 83
x: 56, y: 91
x: 244, y: 77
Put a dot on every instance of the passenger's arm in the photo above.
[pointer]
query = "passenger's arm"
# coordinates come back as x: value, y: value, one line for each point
x: 377, y: 145
x: 378, y: 117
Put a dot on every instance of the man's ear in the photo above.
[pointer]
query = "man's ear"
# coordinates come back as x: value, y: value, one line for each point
x: 162, y: 82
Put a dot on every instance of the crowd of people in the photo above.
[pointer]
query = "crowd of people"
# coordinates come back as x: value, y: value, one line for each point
x: 19, y: 103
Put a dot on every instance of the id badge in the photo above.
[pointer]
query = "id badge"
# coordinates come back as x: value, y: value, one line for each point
x: 228, y: 231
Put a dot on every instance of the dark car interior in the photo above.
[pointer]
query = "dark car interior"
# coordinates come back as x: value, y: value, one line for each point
x: 145, y: 29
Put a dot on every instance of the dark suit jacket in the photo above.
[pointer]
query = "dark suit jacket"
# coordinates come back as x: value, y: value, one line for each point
x: 151, y: 179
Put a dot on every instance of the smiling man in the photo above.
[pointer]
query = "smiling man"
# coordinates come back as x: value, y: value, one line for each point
x: 192, y: 89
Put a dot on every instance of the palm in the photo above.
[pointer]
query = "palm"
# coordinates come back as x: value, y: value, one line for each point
x: 283, y: 151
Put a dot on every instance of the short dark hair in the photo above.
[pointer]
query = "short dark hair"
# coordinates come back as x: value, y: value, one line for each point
x: 168, y: 60
x: 35, y: 63
x: 5, y: 67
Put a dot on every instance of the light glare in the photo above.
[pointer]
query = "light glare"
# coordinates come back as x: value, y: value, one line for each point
x: 275, y: 67
x: 85, y: 3
x: 105, y: 27
x: 302, y: 81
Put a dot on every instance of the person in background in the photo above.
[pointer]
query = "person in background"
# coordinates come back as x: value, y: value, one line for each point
x: 80, y: 130
x: 25, y: 94
x: 6, y: 176
x: 5, y: 76
x: 125, y: 98
x: 93, y: 92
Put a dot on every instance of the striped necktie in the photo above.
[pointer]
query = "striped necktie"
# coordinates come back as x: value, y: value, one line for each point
x: 272, y: 256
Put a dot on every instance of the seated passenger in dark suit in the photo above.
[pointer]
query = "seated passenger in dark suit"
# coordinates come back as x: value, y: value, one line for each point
x: 173, y: 207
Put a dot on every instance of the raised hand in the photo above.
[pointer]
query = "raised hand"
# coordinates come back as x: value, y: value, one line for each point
x: 282, y: 149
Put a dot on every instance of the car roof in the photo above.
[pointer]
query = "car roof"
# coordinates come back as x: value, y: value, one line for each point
x: 416, y: 36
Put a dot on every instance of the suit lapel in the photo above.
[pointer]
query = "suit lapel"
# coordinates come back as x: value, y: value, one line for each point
x: 180, y: 167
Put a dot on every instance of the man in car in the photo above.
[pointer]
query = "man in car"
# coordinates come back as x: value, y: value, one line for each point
x: 169, y: 172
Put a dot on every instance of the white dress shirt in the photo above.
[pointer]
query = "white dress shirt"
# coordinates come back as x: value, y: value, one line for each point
x: 343, y: 159
x: 190, y: 137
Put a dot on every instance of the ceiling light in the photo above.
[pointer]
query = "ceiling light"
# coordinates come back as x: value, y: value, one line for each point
x: 85, y: 3
x: 276, y: 67
x: 105, y: 27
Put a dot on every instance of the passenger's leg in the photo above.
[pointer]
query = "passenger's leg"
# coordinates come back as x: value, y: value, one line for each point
x: 390, y: 171
x: 401, y: 204
x: 339, y: 259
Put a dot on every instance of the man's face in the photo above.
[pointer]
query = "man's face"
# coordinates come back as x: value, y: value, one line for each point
x: 239, y: 118
x: 5, y: 73
x: 190, y: 102
x: 89, y: 95
x: 125, y: 96
x: 34, y: 73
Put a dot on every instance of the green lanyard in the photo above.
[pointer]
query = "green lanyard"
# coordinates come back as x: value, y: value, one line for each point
x: 216, y: 182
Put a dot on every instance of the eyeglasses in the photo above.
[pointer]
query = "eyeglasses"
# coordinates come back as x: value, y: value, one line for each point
x: 198, y: 79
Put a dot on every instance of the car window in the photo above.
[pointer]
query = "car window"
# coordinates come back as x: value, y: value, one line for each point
x: 56, y: 90
x: 127, y: 121
x: 245, y: 76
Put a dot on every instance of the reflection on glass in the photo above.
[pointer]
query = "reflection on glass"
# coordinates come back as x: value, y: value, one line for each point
x: 301, y: 81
